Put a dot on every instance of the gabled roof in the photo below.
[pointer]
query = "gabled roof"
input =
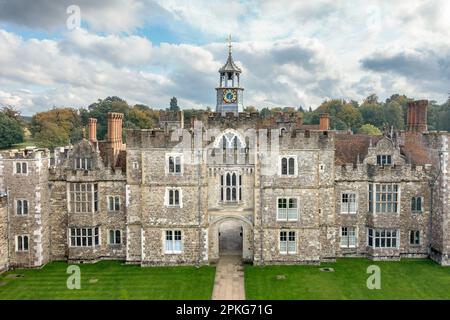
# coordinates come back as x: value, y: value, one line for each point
x: 351, y: 146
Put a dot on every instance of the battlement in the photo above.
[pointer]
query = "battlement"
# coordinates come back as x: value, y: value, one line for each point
x: 292, y: 137
x: 30, y: 153
x: 408, y: 171
x: 171, y: 115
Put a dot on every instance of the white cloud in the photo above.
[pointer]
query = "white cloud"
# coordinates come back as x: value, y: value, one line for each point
x: 291, y: 53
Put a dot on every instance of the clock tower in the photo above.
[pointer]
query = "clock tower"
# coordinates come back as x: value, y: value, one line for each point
x: 229, y: 91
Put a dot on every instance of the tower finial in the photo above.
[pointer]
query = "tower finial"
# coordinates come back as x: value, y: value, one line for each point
x: 229, y: 44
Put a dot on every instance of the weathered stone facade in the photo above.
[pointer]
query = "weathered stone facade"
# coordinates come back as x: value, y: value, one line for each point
x: 272, y: 190
x: 328, y: 166
x: 3, y: 233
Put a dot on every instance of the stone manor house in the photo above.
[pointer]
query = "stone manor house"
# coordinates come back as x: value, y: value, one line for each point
x: 272, y: 190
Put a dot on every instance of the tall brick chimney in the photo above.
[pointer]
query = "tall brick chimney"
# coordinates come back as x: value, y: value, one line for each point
x: 114, y: 136
x: 417, y: 116
x: 324, y: 122
x: 92, y: 125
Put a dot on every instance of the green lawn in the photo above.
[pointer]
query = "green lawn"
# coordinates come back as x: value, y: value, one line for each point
x: 110, y: 280
x: 407, y: 279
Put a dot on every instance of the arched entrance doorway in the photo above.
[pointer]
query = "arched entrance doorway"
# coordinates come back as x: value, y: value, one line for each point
x: 231, y: 235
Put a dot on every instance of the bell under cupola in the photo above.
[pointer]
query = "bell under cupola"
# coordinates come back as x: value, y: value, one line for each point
x: 229, y: 92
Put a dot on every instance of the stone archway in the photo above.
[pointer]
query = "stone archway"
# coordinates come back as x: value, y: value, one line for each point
x: 231, y: 235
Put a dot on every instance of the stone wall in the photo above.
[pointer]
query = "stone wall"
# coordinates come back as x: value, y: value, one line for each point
x: 110, y: 183
x: 411, y: 181
x: 439, y: 150
x: 3, y: 233
x: 31, y: 186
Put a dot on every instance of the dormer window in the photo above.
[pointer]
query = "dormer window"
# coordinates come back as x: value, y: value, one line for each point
x: 83, y: 164
x: 384, y: 160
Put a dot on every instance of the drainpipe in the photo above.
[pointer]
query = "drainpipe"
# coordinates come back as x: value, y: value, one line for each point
x: 432, y: 184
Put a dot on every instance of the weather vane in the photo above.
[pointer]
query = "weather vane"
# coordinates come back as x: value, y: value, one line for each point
x: 229, y: 43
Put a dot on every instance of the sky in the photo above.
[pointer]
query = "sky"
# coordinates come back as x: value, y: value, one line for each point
x: 292, y: 53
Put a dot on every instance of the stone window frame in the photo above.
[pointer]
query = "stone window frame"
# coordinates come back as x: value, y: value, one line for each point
x: 372, y: 237
x: 22, y: 164
x: 22, y: 214
x: 280, y: 165
x: 22, y: 238
x: 382, y: 160
x: 341, y: 235
x: 94, y: 197
x: 237, y: 187
x: 115, y: 243
x: 287, y: 209
x: 414, y: 201
x: 415, y: 235
x: 372, y: 195
x: 288, y: 233
x: 348, y: 192
x: 115, y: 204
x: 174, y: 233
x: 322, y: 167
x: 174, y: 155
x: 82, y: 163
x: 95, y: 237
x: 167, y: 197
x: 135, y: 165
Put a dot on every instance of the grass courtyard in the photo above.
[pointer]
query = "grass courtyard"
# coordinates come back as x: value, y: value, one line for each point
x: 109, y: 280
x: 406, y: 279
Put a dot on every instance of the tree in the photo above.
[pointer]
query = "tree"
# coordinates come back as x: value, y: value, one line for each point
x: 141, y: 118
x: 100, y: 109
x: 372, y: 113
x: 343, y: 115
x: 51, y: 136
x: 265, y: 112
x: 174, y: 104
x: 372, y: 99
x: 56, y: 127
x: 250, y: 109
x: 350, y: 115
x: 393, y: 115
x: 11, y: 131
x: 289, y: 110
x: 370, y: 130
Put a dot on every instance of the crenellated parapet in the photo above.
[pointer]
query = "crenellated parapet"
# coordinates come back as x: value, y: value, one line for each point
x: 369, y: 172
x: 26, y: 154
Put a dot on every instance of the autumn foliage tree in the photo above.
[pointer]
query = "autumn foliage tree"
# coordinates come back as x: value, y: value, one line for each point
x: 56, y: 127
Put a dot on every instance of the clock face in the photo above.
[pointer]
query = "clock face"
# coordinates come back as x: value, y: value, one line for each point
x: 230, y: 96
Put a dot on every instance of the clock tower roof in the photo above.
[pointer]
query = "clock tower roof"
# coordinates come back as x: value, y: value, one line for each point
x: 230, y: 65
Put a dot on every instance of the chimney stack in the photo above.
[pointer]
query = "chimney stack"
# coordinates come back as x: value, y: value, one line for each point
x: 324, y: 122
x: 417, y: 116
x: 92, y: 125
x: 114, y: 137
